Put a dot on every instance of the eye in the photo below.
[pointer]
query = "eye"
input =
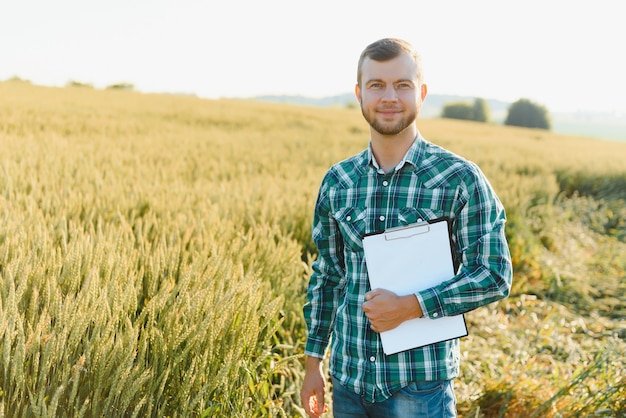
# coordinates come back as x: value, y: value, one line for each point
x: 375, y: 85
x: 404, y: 85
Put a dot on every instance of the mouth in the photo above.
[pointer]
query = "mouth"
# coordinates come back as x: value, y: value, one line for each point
x: 389, y: 112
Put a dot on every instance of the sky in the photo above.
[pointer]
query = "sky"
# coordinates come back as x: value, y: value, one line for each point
x: 565, y: 55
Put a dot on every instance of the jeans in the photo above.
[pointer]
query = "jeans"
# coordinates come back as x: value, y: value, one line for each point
x: 418, y: 399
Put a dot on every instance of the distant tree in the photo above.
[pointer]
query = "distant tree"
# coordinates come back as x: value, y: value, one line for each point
x: 16, y: 79
x: 479, y: 111
x: 528, y: 114
x: 73, y: 83
x: 458, y: 110
x: 121, y: 86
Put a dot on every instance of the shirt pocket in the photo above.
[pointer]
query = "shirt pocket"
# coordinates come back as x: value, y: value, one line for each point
x: 352, y: 223
x: 408, y: 216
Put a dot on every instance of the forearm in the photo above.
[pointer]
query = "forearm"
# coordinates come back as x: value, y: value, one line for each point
x: 312, y: 364
x: 411, y: 307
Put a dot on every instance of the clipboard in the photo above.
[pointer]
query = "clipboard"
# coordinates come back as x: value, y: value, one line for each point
x: 406, y: 260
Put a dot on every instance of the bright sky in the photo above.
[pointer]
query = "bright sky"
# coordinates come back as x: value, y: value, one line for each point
x: 566, y: 55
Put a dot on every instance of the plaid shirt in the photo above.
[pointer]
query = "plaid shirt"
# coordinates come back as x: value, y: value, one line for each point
x: 356, y: 197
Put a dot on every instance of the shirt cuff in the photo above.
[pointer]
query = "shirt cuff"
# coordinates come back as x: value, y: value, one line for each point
x: 315, y: 347
x: 430, y: 303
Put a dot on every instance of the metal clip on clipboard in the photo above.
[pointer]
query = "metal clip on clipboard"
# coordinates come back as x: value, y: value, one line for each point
x: 411, y: 231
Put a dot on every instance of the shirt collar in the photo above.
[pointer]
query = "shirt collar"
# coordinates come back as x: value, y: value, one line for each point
x: 412, y: 156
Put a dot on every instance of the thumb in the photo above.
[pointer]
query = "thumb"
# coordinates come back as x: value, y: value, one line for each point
x: 371, y: 294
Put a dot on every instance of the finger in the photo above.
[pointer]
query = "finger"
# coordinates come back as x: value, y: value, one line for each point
x: 371, y: 294
x: 309, y: 409
x: 317, y: 405
x: 308, y: 403
x: 315, y: 408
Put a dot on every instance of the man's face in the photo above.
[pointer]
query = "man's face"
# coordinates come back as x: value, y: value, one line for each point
x: 390, y: 94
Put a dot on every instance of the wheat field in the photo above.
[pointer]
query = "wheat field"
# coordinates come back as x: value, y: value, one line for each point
x: 155, y: 249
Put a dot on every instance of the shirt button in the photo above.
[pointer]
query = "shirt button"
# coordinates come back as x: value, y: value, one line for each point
x: 348, y: 218
x: 382, y: 218
x: 385, y: 183
x: 372, y: 358
x: 435, y: 315
x: 420, y: 220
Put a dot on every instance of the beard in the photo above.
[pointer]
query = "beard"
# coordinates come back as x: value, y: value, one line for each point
x: 386, y: 129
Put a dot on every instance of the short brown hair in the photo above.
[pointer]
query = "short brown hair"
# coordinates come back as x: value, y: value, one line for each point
x: 386, y: 49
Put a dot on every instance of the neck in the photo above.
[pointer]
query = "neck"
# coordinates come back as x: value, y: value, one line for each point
x: 390, y: 149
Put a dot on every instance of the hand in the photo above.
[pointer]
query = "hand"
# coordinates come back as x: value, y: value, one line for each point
x: 313, y: 388
x: 386, y: 310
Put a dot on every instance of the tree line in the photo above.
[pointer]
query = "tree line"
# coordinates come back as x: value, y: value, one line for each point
x: 523, y: 113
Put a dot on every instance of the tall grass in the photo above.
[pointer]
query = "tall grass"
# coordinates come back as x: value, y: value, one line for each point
x: 154, y: 252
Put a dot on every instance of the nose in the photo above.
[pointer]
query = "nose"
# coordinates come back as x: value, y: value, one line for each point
x: 390, y: 95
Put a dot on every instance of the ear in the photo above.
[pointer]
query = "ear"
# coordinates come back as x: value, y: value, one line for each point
x: 424, y: 91
x: 357, y: 92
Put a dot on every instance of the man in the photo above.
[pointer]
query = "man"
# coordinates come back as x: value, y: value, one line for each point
x: 400, y: 179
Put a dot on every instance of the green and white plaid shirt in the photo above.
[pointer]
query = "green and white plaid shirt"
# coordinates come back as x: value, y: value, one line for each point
x: 355, y: 198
